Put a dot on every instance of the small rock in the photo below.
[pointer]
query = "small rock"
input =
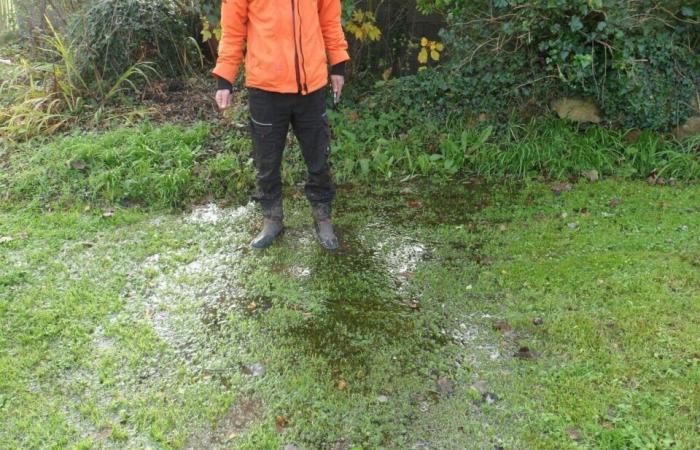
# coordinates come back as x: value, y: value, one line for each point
x: 573, y: 225
x: 6, y: 239
x: 537, y: 321
x: 382, y: 399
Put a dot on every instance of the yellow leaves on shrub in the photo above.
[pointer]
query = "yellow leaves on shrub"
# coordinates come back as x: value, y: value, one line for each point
x: 429, y: 50
x: 363, y: 25
x: 208, y: 31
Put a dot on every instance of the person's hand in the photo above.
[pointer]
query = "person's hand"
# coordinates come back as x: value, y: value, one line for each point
x: 223, y: 98
x: 337, y: 83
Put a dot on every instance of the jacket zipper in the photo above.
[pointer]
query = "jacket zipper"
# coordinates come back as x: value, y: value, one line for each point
x: 301, y: 49
x: 296, y: 51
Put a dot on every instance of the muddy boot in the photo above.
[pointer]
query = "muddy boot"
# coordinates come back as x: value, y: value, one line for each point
x: 324, y: 227
x: 272, y: 227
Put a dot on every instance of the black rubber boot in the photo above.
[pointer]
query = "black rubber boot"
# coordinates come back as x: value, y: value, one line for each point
x: 324, y: 227
x: 272, y: 227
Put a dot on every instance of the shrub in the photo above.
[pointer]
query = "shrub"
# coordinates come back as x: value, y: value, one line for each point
x: 116, y: 34
x: 638, y: 58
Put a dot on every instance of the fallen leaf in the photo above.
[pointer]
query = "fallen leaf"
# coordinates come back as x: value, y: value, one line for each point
x: 281, y: 423
x: 525, y: 353
x: 633, y: 136
x: 103, y: 434
x: 574, y: 433
x: 414, y: 204
x: 558, y: 188
x: 584, y: 212
x: 502, y: 326
x: 414, y: 305
x: 480, y: 387
x: 591, y: 175
x: 78, y: 164
x: 341, y: 385
x: 252, y: 306
x: 502, y: 227
x: 614, y: 202
x: 537, y: 321
x: 445, y: 386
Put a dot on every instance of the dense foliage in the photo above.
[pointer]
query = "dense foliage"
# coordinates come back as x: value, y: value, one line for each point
x: 115, y: 34
x: 638, y: 59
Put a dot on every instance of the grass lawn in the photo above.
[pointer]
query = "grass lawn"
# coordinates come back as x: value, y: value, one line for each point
x: 462, y: 316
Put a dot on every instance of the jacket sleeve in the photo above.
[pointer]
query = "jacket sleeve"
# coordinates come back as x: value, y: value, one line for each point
x: 329, y: 12
x: 234, y: 31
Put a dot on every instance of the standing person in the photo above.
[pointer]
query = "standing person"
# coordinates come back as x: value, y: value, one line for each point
x: 289, y: 45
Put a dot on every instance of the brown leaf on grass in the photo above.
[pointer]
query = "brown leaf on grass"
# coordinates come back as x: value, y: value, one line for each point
x: 414, y: 204
x: 280, y: 423
x: 525, y: 353
x: 251, y: 307
x: 558, y: 188
x: 445, y: 386
x: 614, y: 202
x: 502, y: 326
x: 633, y: 136
x: 103, y: 434
x: 574, y: 434
x: 414, y: 305
x: 591, y: 175
x: 341, y: 385
x: 78, y: 164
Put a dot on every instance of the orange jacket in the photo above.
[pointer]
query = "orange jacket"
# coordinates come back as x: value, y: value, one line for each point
x: 289, y: 43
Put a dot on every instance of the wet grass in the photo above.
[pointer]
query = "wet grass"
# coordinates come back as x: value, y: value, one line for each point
x: 144, y: 330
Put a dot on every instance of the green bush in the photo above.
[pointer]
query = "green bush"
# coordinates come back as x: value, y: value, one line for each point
x: 638, y: 58
x: 116, y: 34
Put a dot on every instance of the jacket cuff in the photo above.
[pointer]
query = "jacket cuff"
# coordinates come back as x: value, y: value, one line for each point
x: 338, y: 69
x: 224, y: 84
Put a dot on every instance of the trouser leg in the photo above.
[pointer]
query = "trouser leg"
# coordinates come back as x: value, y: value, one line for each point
x: 312, y: 129
x: 269, y: 123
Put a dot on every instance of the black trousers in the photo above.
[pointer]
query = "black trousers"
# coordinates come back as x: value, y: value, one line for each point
x: 271, y: 114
